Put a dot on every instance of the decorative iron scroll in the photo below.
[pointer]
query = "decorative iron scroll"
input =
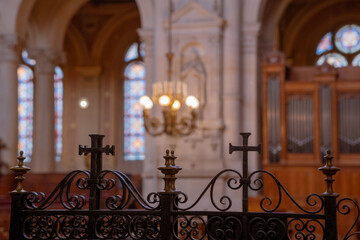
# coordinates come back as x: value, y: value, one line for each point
x: 313, y: 200
x: 232, y: 183
x: 37, y: 200
x: 228, y: 227
x: 56, y: 227
x: 236, y: 182
x: 162, y: 216
x: 305, y: 229
x: 189, y: 227
x: 127, y: 191
x: 345, y: 209
x: 267, y: 228
x: 125, y: 227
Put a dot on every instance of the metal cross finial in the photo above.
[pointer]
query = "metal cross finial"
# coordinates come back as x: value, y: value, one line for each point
x: 96, y: 151
x: 245, y: 149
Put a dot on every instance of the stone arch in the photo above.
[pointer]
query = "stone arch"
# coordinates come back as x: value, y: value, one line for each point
x: 77, y: 43
x: 109, y: 29
x: 270, y: 13
x: 48, y: 22
x: 328, y: 15
x: 14, y: 15
x: 146, y: 9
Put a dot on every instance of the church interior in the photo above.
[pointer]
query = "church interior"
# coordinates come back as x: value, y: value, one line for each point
x: 287, y: 71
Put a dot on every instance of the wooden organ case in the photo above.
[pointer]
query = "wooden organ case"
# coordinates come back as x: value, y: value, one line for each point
x: 307, y: 110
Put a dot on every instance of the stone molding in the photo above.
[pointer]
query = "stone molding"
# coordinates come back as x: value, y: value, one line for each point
x: 194, y: 15
x: 46, y: 59
x: 9, y: 49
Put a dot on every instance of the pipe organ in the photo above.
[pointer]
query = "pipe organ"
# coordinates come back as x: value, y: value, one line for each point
x: 307, y: 110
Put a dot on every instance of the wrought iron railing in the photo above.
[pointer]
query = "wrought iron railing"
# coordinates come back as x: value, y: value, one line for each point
x: 86, y: 212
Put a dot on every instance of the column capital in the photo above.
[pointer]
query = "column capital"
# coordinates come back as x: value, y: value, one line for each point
x: 147, y: 36
x: 250, y: 34
x: 9, y: 50
x: 46, y: 59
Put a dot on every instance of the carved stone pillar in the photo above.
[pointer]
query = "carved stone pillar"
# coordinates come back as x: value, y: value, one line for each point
x: 231, y: 77
x: 250, y: 85
x: 9, y: 59
x: 151, y: 159
x: 43, y: 159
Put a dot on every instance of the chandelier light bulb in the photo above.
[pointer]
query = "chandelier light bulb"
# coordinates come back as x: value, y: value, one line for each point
x: 192, y: 102
x: 164, y: 100
x: 146, y: 102
x: 176, y: 105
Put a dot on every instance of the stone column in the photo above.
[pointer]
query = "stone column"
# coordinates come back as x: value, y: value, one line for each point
x: 151, y: 160
x: 9, y: 60
x: 231, y: 78
x: 44, y: 122
x: 251, y: 86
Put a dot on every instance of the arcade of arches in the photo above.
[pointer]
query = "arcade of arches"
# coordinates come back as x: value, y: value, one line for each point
x: 287, y: 71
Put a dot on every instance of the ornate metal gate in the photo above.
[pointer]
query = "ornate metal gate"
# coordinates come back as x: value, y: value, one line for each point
x: 88, y: 215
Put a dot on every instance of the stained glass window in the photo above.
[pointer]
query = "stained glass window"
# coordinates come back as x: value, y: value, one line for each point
x: 325, y: 44
x: 26, y: 107
x: 25, y: 110
x: 347, y: 39
x: 58, y: 97
x: 134, y: 88
x: 142, y: 49
x: 333, y: 59
x: 26, y: 59
x: 356, y: 61
x: 132, y: 52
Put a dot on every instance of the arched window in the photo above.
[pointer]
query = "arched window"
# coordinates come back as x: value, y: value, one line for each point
x: 347, y: 45
x: 25, y: 109
x: 26, y: 106
x: 58, y: 97
x: 134, y: 88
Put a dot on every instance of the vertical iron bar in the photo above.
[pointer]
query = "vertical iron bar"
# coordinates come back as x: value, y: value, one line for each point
x: 166, y: 222
x: 17, y: 218
x: 94, y: 199
x: 330, y: 216
x: 245, y: 179
x: 245, y: 200
x: 99, y: 142
x: 245, y: 171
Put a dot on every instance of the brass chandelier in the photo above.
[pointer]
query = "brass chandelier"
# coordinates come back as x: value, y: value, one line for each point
x: 171, y: 96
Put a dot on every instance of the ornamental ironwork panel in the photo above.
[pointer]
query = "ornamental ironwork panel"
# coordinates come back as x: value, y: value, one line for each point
x: 94, y: 205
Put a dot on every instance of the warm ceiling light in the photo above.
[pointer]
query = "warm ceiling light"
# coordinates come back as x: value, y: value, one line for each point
x: 83, y: 103
x: 176, y: 105
x: 146, y: 102
x: 170, y: 96
x: 192, y: 102
x: 164, y: 100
